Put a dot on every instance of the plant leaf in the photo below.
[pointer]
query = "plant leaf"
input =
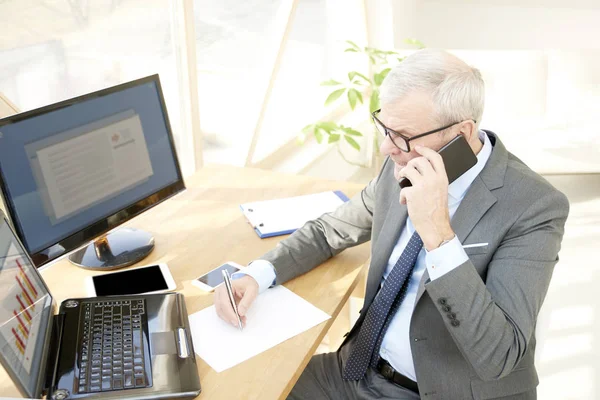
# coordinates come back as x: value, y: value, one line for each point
x: 374, y: 101
x: 333, y: 96
x: 385, y: 72
x: 359, y: 95
x: 414, y: 42
x: 354, y: 45
x: 351, y: 131
x: 334, y: 137
x: 380, y: 76
x: 330, y: 82
x: 327, y: 126
x: 308, y: 128
x: 352, y: 97
x: 354, y: 74
x: 318, y: 135
x: 350, y: 50
x: 352, y: 142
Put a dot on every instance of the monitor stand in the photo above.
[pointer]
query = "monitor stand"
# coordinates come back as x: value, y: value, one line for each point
x: 118, y: 249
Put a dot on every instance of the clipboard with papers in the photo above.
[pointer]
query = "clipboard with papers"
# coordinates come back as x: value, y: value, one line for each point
x: 283, y: 216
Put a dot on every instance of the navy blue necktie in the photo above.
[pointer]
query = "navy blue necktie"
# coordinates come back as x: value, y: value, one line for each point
x: 366, y: 349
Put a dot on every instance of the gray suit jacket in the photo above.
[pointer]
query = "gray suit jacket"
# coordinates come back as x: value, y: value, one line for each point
x: 496, y: 295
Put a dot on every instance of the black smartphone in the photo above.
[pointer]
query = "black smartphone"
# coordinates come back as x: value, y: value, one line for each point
x: 458, y: 158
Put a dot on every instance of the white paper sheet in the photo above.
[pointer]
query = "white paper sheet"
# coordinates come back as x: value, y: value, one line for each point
x: 276, y: 315
x: 284, y: 215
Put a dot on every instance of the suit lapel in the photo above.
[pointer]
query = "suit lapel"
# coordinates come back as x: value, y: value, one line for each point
x: 390, y: 232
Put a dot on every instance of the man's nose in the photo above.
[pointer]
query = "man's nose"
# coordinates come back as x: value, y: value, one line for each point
x: 388, y: 148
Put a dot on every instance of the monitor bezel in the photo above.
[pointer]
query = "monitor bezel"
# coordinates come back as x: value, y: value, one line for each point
x: 109, y: 222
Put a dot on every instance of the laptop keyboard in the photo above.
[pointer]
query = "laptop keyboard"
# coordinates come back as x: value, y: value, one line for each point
x: 111, y: 352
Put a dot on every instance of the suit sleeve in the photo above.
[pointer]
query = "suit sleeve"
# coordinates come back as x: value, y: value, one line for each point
x: 318, y: 240
x: 495, y: 320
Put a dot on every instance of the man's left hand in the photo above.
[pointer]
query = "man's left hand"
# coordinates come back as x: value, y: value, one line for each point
x: 427, y: 198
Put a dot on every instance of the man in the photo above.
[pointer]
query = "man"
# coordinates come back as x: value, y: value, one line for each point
x: 458, y: 272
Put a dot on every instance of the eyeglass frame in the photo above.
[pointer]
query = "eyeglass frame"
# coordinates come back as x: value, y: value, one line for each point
x: 406, y: 138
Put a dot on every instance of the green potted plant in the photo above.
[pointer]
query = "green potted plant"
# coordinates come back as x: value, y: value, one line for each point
x: 358, y: 88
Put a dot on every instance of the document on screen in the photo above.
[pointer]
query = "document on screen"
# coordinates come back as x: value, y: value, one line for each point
x: 92, y: 167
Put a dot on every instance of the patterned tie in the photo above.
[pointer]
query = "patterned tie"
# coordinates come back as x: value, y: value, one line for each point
x: 377, y: 320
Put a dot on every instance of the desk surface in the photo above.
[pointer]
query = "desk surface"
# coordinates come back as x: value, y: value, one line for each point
x: 204, y: 227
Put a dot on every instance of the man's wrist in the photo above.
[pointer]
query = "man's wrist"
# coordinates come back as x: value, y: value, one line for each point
x: 438, y: 240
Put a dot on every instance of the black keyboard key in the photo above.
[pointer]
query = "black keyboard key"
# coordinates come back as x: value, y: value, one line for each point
x: 118, y: 384
x: 95, y: 388
x: 139, y: 382
x: 128, y: 381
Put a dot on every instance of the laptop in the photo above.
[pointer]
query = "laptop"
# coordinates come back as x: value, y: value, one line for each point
x: 119, y: 347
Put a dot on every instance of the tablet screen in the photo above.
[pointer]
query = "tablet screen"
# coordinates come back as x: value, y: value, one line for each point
x: 135, y: 281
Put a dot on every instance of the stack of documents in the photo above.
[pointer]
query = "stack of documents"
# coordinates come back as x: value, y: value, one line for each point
x: 284, y: 216
x: 275, y: 316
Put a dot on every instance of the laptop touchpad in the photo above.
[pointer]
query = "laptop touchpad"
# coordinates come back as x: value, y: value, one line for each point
x: 163, y: 342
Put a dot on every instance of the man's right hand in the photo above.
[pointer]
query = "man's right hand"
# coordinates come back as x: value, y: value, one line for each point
x: 245, y: 290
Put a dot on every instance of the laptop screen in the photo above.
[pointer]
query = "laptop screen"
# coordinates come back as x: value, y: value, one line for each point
x: 25, y: 307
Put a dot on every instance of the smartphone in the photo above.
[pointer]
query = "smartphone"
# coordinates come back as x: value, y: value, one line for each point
x: 458, y: 158
x: 209, y: 281
x: 146, y: 279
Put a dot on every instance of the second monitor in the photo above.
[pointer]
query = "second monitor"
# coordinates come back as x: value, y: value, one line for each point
x: 74, y: 171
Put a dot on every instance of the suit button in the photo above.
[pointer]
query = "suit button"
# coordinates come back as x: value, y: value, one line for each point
x: 455, y: 323
x: 447, y: 308
x: 442, y: 301
x: 451, y: 315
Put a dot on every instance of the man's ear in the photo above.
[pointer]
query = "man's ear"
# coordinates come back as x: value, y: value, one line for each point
x: 468, y: 130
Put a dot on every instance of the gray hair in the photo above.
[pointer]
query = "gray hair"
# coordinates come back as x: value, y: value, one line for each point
x: 457, y: 90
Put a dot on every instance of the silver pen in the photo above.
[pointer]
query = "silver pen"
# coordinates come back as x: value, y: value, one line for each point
x: 227, y: 280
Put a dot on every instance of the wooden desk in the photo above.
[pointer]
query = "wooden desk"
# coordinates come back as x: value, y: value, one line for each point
x: 204, y: 227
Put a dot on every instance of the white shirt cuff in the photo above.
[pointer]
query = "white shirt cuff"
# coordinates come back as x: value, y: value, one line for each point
x: 445, y: 258
x: 262, y: 271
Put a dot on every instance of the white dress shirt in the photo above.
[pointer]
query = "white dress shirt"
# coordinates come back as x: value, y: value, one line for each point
x: 395, y: 347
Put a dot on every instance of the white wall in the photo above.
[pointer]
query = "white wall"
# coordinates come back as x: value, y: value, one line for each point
x: 540, y: 60
x: 497, y: 25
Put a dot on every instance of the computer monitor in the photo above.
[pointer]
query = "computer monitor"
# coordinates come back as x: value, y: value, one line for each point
x: 74, y: 171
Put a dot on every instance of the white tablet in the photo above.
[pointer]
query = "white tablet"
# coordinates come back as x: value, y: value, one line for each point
x: 209, y: 281
x: 146, y: 279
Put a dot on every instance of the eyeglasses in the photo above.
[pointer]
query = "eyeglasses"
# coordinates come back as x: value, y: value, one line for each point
x: 399, y: 140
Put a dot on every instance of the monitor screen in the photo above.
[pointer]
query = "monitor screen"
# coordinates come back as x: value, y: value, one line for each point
x: 25, y: 309
x: 74, y: 170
